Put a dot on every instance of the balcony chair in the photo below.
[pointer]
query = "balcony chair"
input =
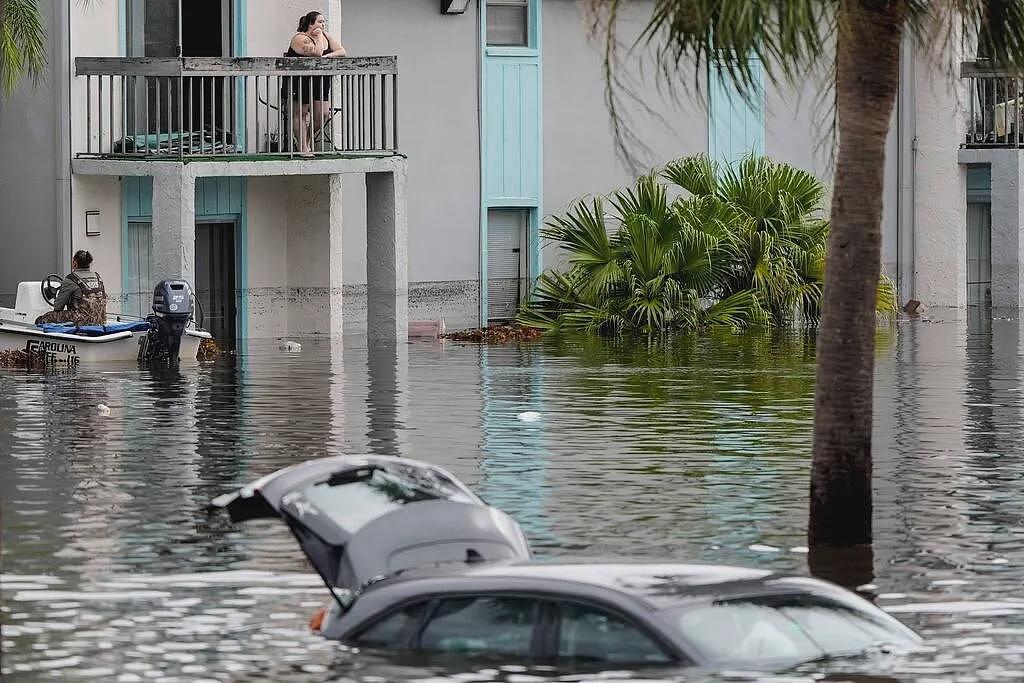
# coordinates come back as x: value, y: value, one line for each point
x: 276, y: 143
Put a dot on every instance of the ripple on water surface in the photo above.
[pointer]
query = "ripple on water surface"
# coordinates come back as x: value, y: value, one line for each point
x: 115, y: 569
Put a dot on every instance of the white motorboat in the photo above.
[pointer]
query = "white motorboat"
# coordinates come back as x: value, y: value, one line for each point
x: 120, y: 339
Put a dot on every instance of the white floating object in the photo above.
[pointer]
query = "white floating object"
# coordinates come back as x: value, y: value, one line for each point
x: 800, y: 550
x: 103, y: 409
x: 529, y: 416
x: 759, y: 548
x: 290, y: 346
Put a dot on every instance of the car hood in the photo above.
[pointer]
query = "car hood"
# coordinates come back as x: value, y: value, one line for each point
x: 362, y: 518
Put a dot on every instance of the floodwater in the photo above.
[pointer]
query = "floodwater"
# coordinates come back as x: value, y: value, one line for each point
x: 113, y: 567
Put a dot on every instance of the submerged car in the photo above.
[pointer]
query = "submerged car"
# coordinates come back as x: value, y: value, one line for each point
x: 416, y: 562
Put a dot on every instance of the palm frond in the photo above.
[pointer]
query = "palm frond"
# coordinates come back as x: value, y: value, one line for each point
x: 738, y: 311
x: 698, y: 174
x: 22, y: 43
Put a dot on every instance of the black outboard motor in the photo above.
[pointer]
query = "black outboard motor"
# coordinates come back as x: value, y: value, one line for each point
x: 172, y: 309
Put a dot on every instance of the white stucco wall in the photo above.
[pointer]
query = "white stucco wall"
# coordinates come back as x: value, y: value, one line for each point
x: 103, y: 194
x: 438, y: 128
x: 940, y: 197
x: 267, y: 246
x: 579, y: 155
x: 94, y: 32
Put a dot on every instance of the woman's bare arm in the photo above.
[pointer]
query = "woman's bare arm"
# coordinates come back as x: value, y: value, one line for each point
x: 304, y: 45
x: 334, y: 48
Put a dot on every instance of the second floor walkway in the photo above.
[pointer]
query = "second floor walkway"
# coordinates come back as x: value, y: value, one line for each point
x: 251, y: 108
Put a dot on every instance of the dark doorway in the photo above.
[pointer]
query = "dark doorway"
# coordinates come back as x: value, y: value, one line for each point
x: 204, y: 34
x: 215, y: 280
x: 202, y: 29
x: 152, y: 27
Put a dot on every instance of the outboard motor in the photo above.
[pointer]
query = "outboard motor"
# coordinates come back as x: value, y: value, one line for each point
x: 172, y: 309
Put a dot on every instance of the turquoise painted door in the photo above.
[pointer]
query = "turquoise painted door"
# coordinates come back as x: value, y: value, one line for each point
x: 512, y: 134
x: 511, y: 158
x: 735, y: 122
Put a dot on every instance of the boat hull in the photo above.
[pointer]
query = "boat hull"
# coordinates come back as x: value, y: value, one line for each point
x: 71, y: 350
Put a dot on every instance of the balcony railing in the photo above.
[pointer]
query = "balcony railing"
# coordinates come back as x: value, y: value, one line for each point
x: 200, y: 107
x: 995, y: 105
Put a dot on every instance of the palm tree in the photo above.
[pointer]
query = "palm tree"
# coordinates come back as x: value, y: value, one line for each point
x: 862, y: 40
x: 22, y: 43
x: 655, y: 270
x: 739, y: 246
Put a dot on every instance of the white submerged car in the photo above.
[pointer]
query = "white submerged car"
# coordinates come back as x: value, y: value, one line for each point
x: 164, y: 333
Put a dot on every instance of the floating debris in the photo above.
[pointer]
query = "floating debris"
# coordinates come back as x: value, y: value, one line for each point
x: 529, y: 416
x: 208, y: 349
x: 103, y: 410
x: 427, y: 329
x: 496, y: 334
x: 761, y: 548
x: 19, y: 358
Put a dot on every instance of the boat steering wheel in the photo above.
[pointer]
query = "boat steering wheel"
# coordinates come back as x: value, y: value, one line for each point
x: 49, y: 289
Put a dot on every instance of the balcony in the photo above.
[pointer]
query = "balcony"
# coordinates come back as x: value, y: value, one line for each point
x: 995, y: 106
x: 212, y: 108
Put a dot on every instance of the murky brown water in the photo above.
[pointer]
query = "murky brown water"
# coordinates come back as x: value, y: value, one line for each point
x: 113, y: 569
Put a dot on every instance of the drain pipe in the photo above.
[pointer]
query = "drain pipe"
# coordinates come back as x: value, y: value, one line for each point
x: 906, y: 162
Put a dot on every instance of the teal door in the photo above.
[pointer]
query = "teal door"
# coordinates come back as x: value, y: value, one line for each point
x: 511, y: 153
x: 735, y: 119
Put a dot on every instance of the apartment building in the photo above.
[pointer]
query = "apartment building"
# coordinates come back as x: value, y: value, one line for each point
x: 160, y: 140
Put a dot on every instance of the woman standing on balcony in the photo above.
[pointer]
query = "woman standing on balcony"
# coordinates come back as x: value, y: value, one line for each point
x: 312, y: 96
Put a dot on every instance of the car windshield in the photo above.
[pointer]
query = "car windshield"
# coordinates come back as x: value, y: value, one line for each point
x: 793, y: 627
x: 354, y: 498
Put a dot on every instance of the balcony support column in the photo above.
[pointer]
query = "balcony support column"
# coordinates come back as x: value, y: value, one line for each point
x: 1007, y: 217
x: 337, y: 283
x: 387, y: 276
x: 173, y: 235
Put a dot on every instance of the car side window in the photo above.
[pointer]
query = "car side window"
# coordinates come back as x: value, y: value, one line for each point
x: 588, y: 633
x: 395, y: 630
x: 482, y: 625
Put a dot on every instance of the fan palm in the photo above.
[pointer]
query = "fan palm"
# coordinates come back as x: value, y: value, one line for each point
x: 739, y: 246
x: 861, y: 41
x: 22, y: 42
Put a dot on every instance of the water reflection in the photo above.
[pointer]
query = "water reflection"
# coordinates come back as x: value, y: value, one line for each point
x: 693, y: 450
x: 515, y: 419
x: 387, y: 395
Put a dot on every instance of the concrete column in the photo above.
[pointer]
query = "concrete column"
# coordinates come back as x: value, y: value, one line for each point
x: 309, y: 240
x: 940, y: 189
x: 1007, y: 216
x: 337, y: 283
x: 174, y: 222
x: 387, y: 274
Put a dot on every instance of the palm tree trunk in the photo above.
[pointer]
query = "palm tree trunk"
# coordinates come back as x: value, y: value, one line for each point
x: 867, y: 78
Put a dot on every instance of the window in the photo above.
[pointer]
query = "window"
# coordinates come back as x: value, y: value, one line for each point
x: 395, y: 630
x: 508, y: 23
x: 358, y: 497
x: 785, y: 627
x: 590, y: 634
x: 482, y: 625
x: 138, y: 293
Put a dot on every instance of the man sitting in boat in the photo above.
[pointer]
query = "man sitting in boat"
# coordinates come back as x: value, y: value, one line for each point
x: 81, y: 300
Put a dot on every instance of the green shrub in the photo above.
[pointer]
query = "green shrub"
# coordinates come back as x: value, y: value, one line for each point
x: 739, y: 247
